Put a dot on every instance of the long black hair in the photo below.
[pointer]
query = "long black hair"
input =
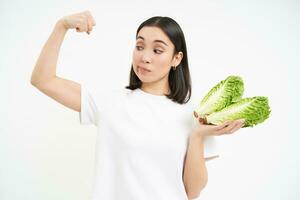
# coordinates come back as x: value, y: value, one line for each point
x: 179, y: 79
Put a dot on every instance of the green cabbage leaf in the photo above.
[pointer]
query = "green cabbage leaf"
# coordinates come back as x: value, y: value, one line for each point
x: 221, y: 95
x: 254, y: 110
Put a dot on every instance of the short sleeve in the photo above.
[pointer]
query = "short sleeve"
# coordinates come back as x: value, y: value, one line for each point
x: 89, y: 107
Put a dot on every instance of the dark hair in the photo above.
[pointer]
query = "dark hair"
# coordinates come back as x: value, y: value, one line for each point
x: 179, y: 79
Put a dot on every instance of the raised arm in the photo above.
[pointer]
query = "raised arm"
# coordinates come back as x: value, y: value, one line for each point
x: 44, y: 76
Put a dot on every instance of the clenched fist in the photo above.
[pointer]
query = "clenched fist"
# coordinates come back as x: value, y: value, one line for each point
x: 83, y: 22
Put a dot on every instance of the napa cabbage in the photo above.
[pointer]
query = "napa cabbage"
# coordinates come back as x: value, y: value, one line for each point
x: 224, y: 102
x: 221, y: 95
x: 253, y: 110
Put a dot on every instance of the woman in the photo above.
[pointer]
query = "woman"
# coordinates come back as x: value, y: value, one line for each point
x: 147, y: 145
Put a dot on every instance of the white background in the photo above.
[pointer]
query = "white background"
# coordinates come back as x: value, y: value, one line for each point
x: 46, y: 154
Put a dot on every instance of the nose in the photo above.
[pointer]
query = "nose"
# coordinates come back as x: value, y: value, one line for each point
x: 146, y: 57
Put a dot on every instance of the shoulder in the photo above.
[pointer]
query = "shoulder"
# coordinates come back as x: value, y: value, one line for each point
x: 102, y: 94
x: 106, y: 91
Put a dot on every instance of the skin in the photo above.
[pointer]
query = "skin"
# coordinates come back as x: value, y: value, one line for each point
x: 156, y: 56
x: 150, y: 54
x: 195, y: 176
x: 44, y: 77
x: 159, y: 58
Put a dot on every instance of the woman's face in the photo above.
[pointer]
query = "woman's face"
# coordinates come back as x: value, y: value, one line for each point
x: 153, y: 52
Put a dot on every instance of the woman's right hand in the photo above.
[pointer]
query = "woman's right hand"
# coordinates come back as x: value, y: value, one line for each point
x: 83, y: 22
x: 227, y: 127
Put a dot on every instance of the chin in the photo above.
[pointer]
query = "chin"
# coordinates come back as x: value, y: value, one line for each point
x: 144, y: 79
x: 142, y: 76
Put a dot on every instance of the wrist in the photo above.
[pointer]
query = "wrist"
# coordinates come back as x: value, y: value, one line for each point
x: 196, y: 135
x: 60, y: 24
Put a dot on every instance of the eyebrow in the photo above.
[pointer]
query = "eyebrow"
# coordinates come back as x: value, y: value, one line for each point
x: 160, y: 41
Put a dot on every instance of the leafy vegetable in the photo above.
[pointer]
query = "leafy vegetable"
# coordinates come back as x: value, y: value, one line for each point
x: 254, y: 110
x: 224, y: 103
x: 223, y: 94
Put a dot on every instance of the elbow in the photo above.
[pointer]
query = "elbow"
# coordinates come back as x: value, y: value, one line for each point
x: 37, y: 82
x: 33, y: 79
x: 196, y: 193
x: 193, y: 196
x: 32, y: 82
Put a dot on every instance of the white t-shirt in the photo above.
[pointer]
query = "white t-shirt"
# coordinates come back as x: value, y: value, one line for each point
x: 141, y: 143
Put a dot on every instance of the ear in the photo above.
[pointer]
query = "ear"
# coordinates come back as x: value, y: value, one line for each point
x: 177, y: 59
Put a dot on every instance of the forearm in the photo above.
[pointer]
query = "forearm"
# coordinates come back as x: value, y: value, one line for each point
x: 45, y: 67
x: 195, y: 172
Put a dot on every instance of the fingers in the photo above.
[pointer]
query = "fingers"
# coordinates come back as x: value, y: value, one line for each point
x: 85, y: 23
x: 222, y: 126
x: 91, y: 22
x: 232, y: 127
x: 239, y: 125
x: 226, y: 129
x: 89, y: 26
x: 82, y: 25
x: 91, y: 18
x: 220, y: 129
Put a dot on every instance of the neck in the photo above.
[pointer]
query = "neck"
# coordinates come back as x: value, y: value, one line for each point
x: 156, y: 89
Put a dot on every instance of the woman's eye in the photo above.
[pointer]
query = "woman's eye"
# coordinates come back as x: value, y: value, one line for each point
x: 158, y: 51
x: 138, y: 47
x: 155, y: 50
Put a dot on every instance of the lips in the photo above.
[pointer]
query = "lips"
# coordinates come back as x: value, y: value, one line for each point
x: 144, y: 69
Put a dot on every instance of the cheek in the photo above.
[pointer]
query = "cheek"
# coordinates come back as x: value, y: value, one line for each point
x: 135, y: 58
x: 163, y: 62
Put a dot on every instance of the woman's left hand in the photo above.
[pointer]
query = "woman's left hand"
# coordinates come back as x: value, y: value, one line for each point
x: 228, y: 127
